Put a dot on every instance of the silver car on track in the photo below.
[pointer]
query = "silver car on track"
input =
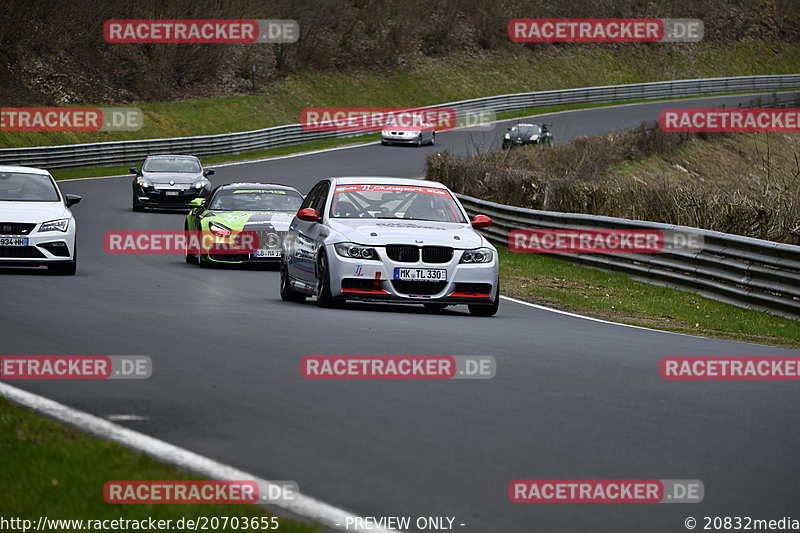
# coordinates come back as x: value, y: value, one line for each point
x: 391, y: 240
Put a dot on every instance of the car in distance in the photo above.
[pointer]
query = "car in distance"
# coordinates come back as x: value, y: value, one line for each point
x: 36, y: 226
x: 391, y: 240
x: 169, y: 182
x: 423, y: 133
x: 265, y: 209
x: 521, y: 134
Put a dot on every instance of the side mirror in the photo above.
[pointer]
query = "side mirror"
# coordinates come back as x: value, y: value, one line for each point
x: 196, y: 202
x: 481, y: 221
x: 71, y: 199
x: 309, y: 215
x: 208, y: 172
x: 133, y: 170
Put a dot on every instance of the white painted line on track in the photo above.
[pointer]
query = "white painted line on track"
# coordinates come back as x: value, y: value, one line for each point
x: 302, y: 506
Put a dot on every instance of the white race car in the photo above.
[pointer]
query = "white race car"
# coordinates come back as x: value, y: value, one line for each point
x: 417, y: 135
x: 392, y: 240
x: 36, y: 226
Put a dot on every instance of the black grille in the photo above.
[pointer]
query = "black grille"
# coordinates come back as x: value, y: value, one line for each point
x: 15, y: 228
x: 57, y: 248
x: 402, y: 254
x: 20, y: 251
x: 419, y: 287
x: 436, y: 254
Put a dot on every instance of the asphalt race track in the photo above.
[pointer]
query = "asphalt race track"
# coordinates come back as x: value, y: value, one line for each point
x: 573, y: 398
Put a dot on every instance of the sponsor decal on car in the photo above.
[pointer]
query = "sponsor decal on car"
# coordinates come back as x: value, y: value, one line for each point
x: 393, y: 188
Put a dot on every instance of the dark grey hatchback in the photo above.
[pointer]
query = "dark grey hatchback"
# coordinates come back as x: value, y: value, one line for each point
x: 169, y: 182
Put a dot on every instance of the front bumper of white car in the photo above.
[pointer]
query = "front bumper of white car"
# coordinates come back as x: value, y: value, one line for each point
x: 407, y: 137
x: 22, y: 244
x: 463, y: 283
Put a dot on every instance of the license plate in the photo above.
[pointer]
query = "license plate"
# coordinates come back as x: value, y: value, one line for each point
x: 421, y: 274
x: 266, y: 253
x: 171, y: 193
x: 13, y: 241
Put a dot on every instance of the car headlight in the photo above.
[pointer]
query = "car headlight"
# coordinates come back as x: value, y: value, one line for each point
x: 199, y: 184
x: 507, y: 136
x: 142, y: 182
x: 355, y: 251
x: 534, y: 137
x: 219, y: 230
x: 55, y: 225
x: 479, y: 255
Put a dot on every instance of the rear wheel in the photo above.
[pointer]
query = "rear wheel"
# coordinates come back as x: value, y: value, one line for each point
x: 433, y: 139
x: 487, y: 310
x: 287, y: 294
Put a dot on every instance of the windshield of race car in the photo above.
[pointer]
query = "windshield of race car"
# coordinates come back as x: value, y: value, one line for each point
x: 172, y: 164
x: 527, y: 129
x: 22, y: 187
x: 395, y: 201
x: 256, y: 200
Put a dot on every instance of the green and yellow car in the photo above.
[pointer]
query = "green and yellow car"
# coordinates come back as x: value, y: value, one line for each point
x: 260, y: 210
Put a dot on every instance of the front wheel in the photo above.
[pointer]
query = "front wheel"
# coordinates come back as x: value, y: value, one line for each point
x: 419, y: 140
x: 65, y: 269
x: 324, y: 298
x: 189, y: 257
x: 433, y: 139
x: 287, y: 294
x: 487, y: 310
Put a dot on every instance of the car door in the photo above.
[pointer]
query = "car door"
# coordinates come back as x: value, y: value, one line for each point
x: 305, y: 236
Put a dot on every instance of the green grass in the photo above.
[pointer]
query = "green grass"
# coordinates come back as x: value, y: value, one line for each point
x: 542, y: 279
x: 433, y: 81
x: 217, y: 159
x: 49, y: 469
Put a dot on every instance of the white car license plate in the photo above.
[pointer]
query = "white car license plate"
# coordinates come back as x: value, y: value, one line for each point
x: 171, y: 193
x: 13, y: 241
x: 420, y: 274
x: 266, y: 253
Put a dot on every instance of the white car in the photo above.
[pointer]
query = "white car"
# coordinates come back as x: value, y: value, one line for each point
x: 423, y: 133
x: 392, y: 240
x: 36, y: 226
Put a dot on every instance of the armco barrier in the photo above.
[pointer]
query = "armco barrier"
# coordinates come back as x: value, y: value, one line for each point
x: 742, y: 271
x: 126, y: 152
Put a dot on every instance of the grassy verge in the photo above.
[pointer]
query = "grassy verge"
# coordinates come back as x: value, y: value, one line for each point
x: 328, y: 143
x: 49, y: 469
x: 547, y: 281
x: 217, y: 159
x: 435, y: 81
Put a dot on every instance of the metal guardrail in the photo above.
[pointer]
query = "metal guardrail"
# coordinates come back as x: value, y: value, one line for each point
x: 746, y: 272
x: 125, y: 152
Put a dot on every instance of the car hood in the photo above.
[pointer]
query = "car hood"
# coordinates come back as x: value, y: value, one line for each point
x: 250, y: 220
x: 378, y: 232
x: 178, y: 177
x: 32, y: 211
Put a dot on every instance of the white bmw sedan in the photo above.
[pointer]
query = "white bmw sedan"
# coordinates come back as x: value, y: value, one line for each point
x: 392, y: 240
x: 36, y: 226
